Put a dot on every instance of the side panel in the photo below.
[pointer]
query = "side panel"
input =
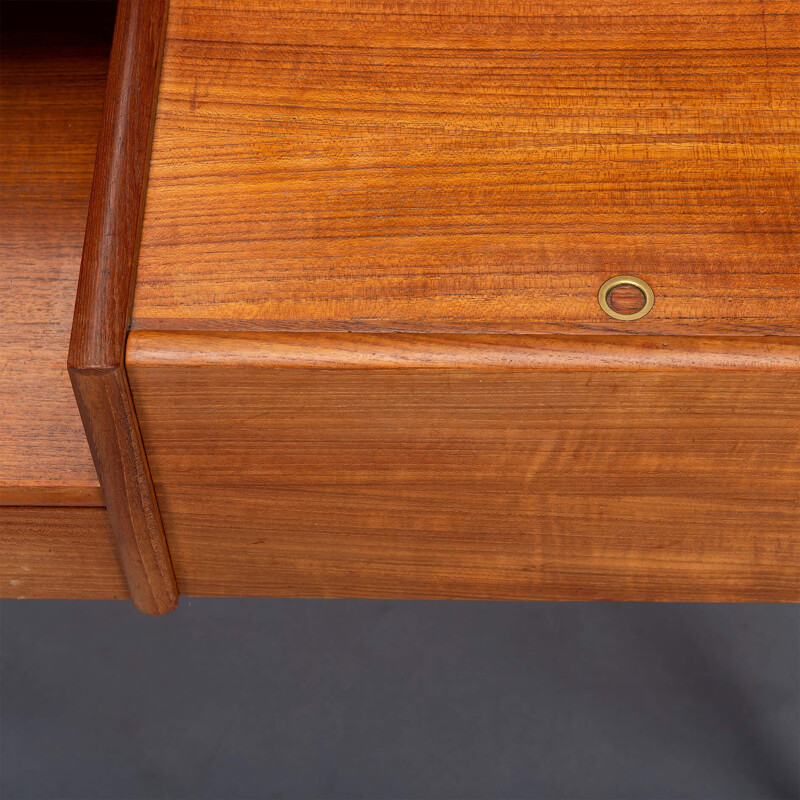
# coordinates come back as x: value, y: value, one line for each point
x: 104, y: 299
x: 321, y: 466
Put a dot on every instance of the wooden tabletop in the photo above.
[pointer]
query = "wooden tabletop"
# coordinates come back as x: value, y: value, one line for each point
x: 474, y: 166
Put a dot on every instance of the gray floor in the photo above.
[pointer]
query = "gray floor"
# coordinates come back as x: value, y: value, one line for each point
x: 344, y: 699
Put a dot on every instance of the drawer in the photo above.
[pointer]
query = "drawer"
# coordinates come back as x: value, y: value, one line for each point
x: 505, y: 467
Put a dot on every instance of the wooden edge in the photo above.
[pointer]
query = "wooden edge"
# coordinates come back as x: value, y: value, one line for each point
x: 104, y: 300
x: 106, y: 407
x: 52, y: 495
x: 428, y: 351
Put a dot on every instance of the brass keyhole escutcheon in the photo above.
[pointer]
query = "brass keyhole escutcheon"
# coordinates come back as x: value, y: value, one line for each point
x: 634, y: 297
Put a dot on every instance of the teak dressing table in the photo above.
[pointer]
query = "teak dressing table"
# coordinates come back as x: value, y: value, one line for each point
x: 447, y: 299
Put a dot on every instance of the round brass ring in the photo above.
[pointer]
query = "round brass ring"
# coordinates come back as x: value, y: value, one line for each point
x: 626, y: 280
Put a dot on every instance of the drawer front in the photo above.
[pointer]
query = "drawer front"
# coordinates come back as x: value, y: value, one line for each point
x: 462, y: 468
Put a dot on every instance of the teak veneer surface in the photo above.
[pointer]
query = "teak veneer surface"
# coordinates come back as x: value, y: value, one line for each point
x: 58, y: 552
x: 96, y: 359
x: 53, y: 58
x: 474, y: 166
x: 512, y: 467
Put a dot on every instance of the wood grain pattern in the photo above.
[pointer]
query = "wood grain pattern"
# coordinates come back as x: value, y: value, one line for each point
x: 54, y: 58
x: 51, y: 494
x: 331, y: 468
x: 58, y: 553
x: 106, y: 406
x: 108, y: 267
x: 102, y: 309
x: 626, y: 299
x: 455, y: 351
x: 474, y: 166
